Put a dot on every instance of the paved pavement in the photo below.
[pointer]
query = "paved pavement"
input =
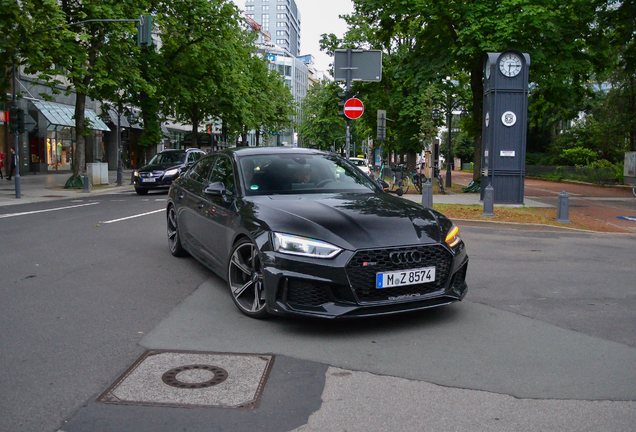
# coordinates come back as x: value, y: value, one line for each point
x: 42, y: 187
x: 363, y: 401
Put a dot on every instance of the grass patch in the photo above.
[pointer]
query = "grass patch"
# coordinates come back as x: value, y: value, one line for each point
x: 523, y: 215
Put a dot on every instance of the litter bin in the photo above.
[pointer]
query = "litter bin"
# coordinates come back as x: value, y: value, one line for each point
x: 97, y: 173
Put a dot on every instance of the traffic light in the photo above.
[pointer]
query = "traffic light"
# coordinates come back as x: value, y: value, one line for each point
x: 21, y: 115
x: 13, y: 119
x: 144, y: 30
x: 343, y: 97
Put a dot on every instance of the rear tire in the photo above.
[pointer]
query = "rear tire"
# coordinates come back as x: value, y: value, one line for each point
x: 174, y: 241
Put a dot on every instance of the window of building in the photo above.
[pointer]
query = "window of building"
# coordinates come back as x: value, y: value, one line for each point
x: 249, y: 8
x: 265, y: 7
x: 281, y: 7
x: 281, y: 16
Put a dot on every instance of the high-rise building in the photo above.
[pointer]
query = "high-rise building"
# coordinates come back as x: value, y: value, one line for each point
x: 280, y: 18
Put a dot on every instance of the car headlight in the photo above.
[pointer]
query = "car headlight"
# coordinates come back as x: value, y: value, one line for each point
x: 171, y: 172
x: 302, y: 246
x: 136, y: 173
x: 452, y: 238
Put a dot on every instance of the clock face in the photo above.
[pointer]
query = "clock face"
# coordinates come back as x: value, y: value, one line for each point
x: 487, y: 71
x: 510, y: 65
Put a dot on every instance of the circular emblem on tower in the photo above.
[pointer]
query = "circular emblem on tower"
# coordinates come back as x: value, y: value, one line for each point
x: 508, y: 118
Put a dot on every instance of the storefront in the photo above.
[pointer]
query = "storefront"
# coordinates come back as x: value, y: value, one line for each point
x: 53, y: 144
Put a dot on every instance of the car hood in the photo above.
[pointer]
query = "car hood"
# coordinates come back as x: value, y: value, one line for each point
x: 349, y: 221
x: 158, y: 167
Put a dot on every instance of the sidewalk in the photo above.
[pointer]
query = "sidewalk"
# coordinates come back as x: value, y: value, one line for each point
x: 604, y: 204
x: 41, y: 187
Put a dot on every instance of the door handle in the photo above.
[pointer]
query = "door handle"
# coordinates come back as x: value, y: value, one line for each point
x: 200, y: 205
x: 180, y: 196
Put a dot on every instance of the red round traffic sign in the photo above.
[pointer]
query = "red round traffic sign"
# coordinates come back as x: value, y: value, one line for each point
x: 353, y: 108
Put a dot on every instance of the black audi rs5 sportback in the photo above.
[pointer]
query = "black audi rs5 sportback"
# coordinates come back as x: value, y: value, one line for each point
x: 304, y: 232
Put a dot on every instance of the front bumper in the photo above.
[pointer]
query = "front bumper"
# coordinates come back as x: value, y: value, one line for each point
x: 153, y: 182
x: 344, y: 287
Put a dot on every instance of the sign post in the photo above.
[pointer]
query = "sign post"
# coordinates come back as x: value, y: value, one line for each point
x: 356, y: 65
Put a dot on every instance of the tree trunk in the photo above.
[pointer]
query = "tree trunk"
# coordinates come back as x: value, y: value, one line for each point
x: 477, y: 87
x: 258, y: 138
x: 79, y: 158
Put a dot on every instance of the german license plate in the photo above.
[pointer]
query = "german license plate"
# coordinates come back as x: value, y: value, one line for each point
x: 405, y: 277
x: 148, y: 180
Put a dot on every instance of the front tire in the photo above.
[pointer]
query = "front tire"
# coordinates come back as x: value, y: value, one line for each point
x: 174, y: 241
x: 141, y: 191
x: 245, y: 279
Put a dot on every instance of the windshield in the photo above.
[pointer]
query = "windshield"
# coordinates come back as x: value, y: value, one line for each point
x: 301, y: 173
x: 172, y: 158
x: 358, y: 162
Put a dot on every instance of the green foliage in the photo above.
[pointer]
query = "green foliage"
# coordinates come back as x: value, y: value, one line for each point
x: 424, y: 41
x: 321, y: 126
x: 577, y: 156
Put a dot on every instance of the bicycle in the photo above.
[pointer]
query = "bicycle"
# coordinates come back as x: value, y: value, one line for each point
x: 400, y: 178
x: 440, y: 181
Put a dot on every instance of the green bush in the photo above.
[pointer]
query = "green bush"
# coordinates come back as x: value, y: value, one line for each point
x: 578, y: 156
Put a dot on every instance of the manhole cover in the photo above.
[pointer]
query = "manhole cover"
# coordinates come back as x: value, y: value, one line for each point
x: 187, y: 378
x: 194, y: 376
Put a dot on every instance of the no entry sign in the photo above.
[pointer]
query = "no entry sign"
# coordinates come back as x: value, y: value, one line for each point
x: 353, y: 108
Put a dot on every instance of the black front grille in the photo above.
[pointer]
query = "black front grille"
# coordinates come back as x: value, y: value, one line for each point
x: 363, y: 277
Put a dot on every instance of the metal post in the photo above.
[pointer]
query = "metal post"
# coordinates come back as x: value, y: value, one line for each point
x: 563, y: 208
x: 450, y: 128
x: 348, y: 91
x: 16, y: 135
x: 489, y: 201
x: 119, y: 167
x: 427, y: 194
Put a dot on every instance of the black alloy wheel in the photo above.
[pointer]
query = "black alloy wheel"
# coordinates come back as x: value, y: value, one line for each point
x: 245, y: 279
x: 176, y: 249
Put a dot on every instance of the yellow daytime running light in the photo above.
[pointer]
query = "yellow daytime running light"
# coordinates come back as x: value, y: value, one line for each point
x: 452, y: 238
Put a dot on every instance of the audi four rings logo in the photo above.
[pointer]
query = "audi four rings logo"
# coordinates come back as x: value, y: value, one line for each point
x: 405, y: 257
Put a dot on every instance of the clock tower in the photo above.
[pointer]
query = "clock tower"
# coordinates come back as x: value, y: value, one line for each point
x: 504, y: 126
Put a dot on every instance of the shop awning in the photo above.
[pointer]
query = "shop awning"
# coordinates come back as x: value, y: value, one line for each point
x: 62, y: 115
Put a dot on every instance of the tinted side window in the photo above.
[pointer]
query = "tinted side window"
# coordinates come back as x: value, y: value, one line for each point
x: 194, y: 156
x: 201, y: 171
x: 223, y: 172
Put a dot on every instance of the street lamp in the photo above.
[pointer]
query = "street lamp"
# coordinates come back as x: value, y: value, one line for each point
x: 118, y: 112
x: 449, y: 103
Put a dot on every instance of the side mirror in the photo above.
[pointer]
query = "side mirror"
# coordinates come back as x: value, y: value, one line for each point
x: 215, y: 189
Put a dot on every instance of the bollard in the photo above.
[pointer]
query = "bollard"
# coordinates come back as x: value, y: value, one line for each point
x: 563, y: 208
x: 85, y: 179
x: 427, y: 194
x: 489, y: 201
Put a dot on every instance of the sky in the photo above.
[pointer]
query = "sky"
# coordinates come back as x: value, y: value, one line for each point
x: 316, y: 18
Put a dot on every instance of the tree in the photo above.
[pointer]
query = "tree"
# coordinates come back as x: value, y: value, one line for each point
x: 321, y: 126
x: 429, y: 39
x: 85, y: 54
x: 205, y: 52
x: 26, y: 38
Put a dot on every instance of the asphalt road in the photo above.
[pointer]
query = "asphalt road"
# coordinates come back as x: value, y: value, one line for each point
x: 545, y: 334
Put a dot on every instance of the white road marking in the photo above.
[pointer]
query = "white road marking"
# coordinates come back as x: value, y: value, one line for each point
x: 44, y: 211
x: 132, y: 217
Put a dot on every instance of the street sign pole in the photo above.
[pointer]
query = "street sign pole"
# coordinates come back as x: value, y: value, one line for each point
x: 348, y: 87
